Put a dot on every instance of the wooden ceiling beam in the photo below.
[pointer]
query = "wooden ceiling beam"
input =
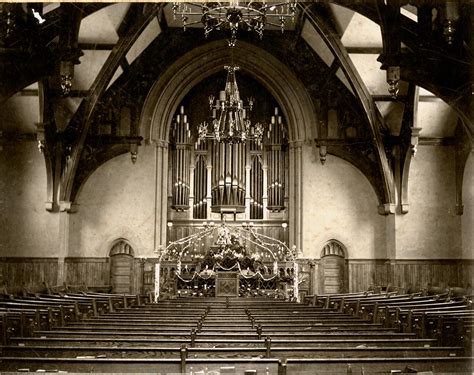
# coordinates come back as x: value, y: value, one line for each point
x: 81, y: 121
x: 366, y: 102
x: 444, y: 71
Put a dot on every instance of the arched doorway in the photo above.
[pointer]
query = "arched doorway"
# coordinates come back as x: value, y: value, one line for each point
x: 121, y: 267
x: 333, y: 267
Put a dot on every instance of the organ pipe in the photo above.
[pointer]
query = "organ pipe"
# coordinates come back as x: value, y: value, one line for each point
x: 200, y: 188
x: 181, y: 157
x: 276, y: 139
x: 228, y: 177
x: 256, y: 189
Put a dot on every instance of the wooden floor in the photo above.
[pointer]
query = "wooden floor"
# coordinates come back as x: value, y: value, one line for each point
x: 229, y: 336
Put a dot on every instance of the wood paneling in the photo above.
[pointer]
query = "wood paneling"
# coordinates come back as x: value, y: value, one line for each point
x: 435, y: 272
x: 365, y: 273
x: 404, y: 273
x: 360, y: 273
x: 31, y: 273
x: 94, y: 272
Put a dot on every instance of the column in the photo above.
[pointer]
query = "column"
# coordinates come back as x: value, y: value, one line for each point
x: 296, y: 194
x: 161, y: 193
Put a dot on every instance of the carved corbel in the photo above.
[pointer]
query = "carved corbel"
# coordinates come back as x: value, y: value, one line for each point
x: 68, y: 50
x: 389, y: 15
x: 40, y: 136
x: 323, y: 127
x: 386, y: 208
x: 415, y: 134
x: 134, y: 152
x: 322, y: 154
x: 66, y: 206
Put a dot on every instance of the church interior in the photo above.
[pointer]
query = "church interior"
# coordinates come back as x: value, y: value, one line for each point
x: 219, y: 187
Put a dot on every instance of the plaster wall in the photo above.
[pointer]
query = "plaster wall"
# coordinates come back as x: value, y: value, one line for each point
x: 339, y: 203
x: 431, y: 229
x: 468, y: 216
x: 26, y: 228
x: 116, y: 201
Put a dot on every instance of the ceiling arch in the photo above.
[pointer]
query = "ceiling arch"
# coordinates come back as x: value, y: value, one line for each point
x: 173, y: 85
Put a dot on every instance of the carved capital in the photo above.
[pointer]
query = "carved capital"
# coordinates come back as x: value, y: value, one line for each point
x: 161, y: 143
x: 295, y: 144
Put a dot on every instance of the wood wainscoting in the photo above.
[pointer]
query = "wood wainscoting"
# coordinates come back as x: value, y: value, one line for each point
x: 94, y: 272
x: 361, y: 273
x: 18, y: 273
x: 31, y: 273
x: 418, y: 273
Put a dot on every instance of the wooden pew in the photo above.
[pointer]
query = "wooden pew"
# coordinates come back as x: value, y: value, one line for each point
x: 239, y: 329
x: 137, y: 365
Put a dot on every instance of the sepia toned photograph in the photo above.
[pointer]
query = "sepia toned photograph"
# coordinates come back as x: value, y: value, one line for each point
x: 237, y: 188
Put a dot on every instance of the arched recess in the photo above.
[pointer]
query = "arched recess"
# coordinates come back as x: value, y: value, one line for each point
x: 204, y: 61
x: 333, y: 270
x: 121, y: 266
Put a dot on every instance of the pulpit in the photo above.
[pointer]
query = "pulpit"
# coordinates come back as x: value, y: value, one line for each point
x: 227, y: 284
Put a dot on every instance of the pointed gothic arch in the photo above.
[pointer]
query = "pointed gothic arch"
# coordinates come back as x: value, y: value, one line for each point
x: 121, y: 266
x: 333, y: 270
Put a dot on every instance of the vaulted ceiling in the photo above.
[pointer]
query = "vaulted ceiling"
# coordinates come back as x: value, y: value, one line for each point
x: 339, y: 50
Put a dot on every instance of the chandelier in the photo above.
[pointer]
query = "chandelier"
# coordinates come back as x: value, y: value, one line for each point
x: 230, y: 123
x: 251, y: 16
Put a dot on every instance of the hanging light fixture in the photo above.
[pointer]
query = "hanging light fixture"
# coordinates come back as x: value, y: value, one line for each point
x: 251, y: 16
x: 230, y: 123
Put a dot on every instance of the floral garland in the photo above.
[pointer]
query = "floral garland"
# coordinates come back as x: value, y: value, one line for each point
x: 219, y: 266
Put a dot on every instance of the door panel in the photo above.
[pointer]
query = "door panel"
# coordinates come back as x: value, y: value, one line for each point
x: 333, y: 274
x: 121, y: 273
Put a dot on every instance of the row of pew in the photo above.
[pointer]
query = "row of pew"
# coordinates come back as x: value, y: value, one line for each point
x: 447, y: 318
x: 350, y: 333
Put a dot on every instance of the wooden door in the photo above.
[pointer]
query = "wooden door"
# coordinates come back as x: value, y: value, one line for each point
x: 121, y: 273
x: 333, y: 274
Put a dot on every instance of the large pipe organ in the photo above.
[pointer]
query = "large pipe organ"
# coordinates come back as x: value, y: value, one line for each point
x: 210, y: 179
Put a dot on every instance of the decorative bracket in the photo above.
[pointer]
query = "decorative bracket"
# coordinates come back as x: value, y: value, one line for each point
x: 409, y: 138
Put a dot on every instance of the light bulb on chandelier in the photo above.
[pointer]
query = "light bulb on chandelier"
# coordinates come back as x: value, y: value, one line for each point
x: 230, y: 122
x: 250, y: 16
